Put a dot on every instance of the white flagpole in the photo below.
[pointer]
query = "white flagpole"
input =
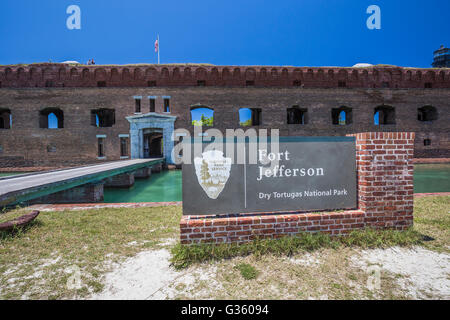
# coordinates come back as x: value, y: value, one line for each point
x: 158, y: 48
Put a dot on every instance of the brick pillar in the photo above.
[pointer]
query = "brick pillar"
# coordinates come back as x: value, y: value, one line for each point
x: 157, y: 168
x: 88, y: 193
x: 385, y: 178
x: 143, y: 173
x: 124, y: 180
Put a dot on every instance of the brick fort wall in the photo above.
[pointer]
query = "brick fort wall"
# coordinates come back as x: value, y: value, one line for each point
x: 25, y: 90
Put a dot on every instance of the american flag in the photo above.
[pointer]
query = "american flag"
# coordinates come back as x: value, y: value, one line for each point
x: 156, y: 45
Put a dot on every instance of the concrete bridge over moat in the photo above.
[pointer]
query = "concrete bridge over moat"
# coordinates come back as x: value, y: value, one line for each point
x: 75, y: 185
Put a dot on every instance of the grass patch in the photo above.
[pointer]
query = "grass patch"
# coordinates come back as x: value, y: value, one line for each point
x: 183, y: 256
x: 431, y: 230
x: 7, y: 214
x: 248, y: 272
x: 322, y: 274
x: 34, y: 260
x: 432, y: 218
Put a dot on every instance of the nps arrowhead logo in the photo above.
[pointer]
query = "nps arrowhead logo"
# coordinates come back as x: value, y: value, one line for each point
x: 213, y: 171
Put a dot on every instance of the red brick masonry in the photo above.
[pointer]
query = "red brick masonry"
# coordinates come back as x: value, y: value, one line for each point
x: 385, y: 178
x: 385, y: 200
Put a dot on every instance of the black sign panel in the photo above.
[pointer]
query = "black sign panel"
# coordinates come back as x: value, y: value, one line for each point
x: 305, y: 173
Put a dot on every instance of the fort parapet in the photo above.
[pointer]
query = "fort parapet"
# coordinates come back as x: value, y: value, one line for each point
x: 63, y: 75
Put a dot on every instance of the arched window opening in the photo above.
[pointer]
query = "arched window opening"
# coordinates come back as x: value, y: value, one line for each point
x: 342, y: 116
x: 249, y: 117
x: 376, y: 118
x: 384, y: 115
x: 5, y: 119
x: 202, y: 116
x: 52, y: 121
x: 296, y: 115
x: 103, y: 118
x: 51, y: 118
x: 427, y: 113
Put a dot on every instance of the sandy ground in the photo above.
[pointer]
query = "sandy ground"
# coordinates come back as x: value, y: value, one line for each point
x: 149, y: 276
x: 141, y: 277
x: 421, y: 273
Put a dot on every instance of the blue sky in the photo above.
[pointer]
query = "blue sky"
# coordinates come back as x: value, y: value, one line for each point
x: 244, y: 114
x: 299, y: 32
x: 196, y: 114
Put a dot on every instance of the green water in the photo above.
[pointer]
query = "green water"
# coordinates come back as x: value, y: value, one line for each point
x: 6, y: 174
x: 431, y: 178
x: 166, y: 186
x: 160, y: 187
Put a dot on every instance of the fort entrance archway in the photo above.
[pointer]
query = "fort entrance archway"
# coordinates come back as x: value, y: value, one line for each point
x: 153, y: 143
x: 151, y: 136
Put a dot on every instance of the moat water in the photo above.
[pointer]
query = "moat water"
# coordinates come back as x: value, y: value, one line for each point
x: 431, y: 178
x: 6, y: 174
x: 166, y: 186
x: 160, y: 187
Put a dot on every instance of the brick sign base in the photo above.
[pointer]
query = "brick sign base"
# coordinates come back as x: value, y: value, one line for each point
x: 385, y: 200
